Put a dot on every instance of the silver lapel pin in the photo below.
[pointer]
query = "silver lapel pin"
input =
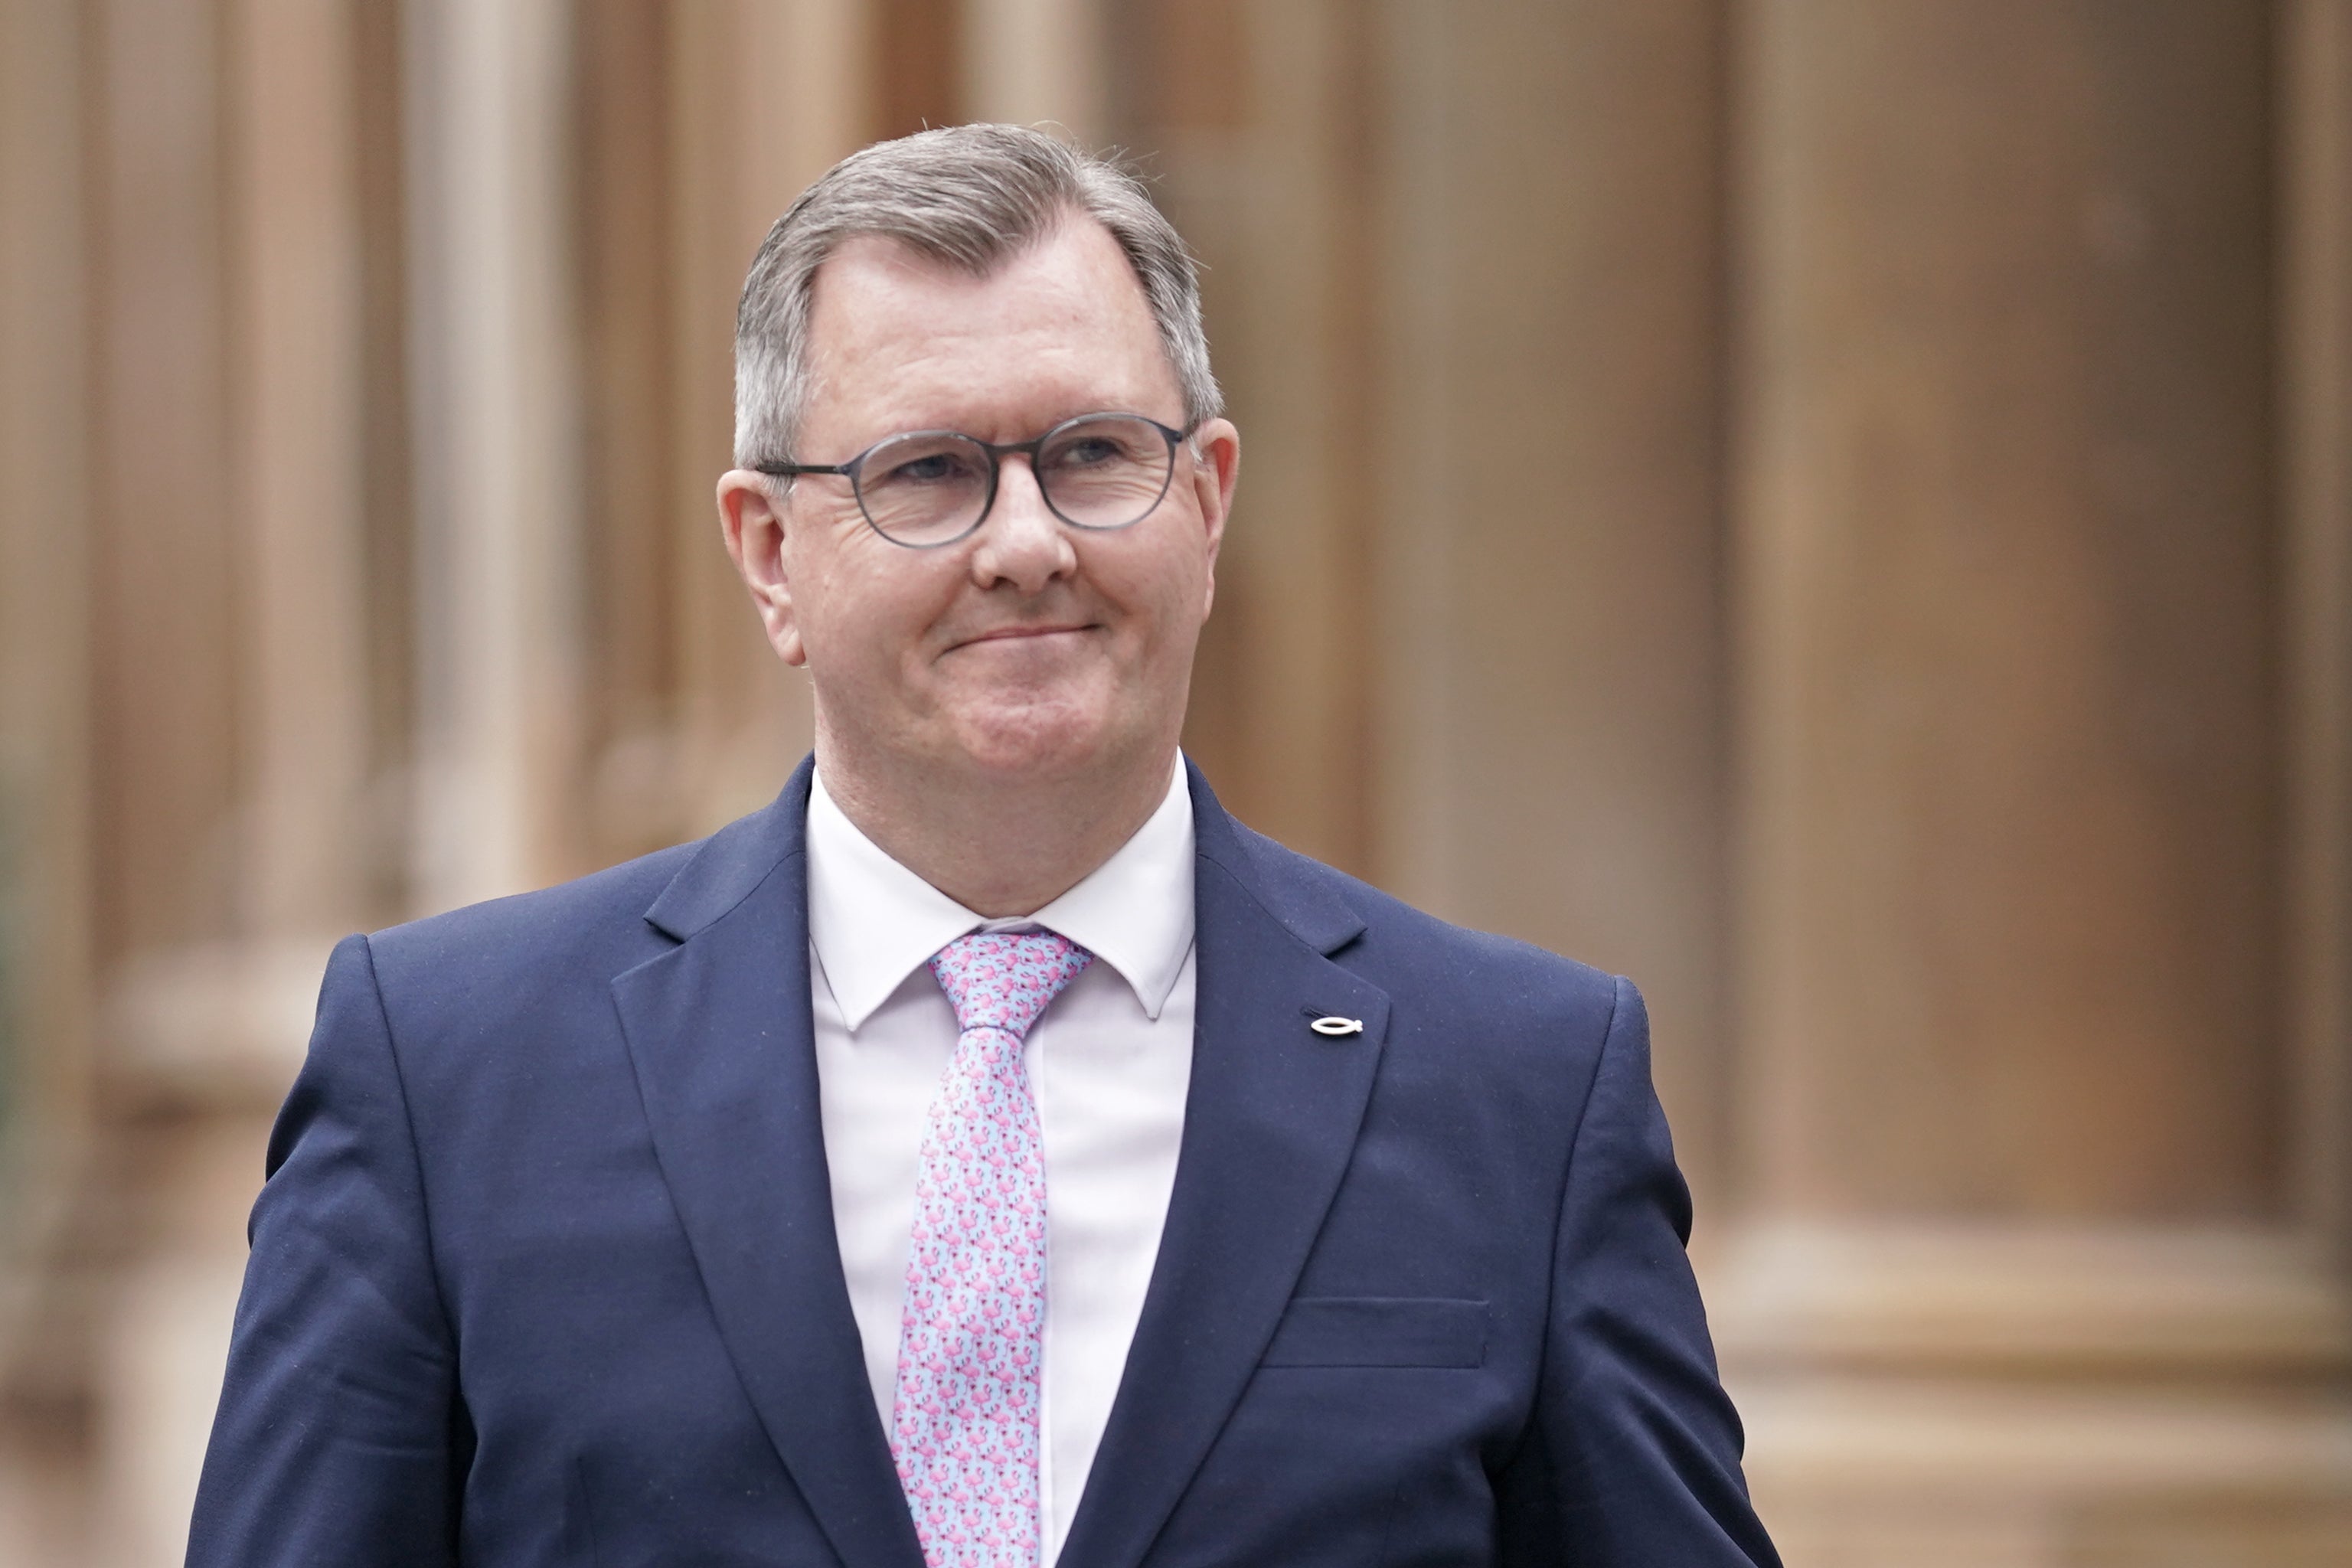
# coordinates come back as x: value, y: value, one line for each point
x: 1336, y: 1026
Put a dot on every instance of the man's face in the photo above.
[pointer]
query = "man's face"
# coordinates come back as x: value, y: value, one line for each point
x: 1028, y: 648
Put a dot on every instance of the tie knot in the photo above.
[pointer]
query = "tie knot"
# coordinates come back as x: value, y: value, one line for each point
x: 1002, y: 980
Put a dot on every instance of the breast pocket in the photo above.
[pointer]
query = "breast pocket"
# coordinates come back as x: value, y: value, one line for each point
x: 1379, y: 1330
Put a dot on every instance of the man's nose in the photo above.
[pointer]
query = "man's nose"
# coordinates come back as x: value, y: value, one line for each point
x: 1021, y: 541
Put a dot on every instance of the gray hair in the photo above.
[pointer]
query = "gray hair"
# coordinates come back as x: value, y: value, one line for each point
x: 970, y: 196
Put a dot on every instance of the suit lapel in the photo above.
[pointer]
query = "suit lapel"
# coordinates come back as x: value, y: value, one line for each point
x: 719, y: 1033
x: 1269, y: 1126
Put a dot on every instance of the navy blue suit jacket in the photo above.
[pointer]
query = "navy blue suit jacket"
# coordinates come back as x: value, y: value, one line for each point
x: 544, y: 1271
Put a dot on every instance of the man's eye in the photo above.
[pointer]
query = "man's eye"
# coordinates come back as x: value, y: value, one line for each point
x: 937, y: 468
x: 1093, y: 452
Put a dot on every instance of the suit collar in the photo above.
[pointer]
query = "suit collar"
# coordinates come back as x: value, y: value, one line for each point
x: 1294, y: 891
x: 1270, y: 1125
x: 719, y: 1031
x: 734, y: 861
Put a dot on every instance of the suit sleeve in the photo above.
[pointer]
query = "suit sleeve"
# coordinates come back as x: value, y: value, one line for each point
x: 339, y: 1434
x: 1632, y: 1456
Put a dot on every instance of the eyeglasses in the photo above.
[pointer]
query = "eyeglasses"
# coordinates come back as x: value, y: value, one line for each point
x: 929, y: 488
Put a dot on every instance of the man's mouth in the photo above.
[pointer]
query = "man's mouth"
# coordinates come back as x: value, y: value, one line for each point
x: 1006, y: 634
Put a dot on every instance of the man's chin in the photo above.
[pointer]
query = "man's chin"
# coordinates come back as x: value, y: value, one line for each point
x: 1033, y: 743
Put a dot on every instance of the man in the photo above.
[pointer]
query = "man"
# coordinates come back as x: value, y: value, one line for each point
x: 990, y: 1153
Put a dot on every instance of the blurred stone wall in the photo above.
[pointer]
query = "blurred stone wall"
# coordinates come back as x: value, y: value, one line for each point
x: 1840, y: 510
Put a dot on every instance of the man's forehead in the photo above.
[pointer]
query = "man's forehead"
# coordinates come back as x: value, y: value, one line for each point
x: 895, y: 334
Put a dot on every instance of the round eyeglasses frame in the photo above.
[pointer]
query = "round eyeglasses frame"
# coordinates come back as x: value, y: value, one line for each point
x: 997, y: 451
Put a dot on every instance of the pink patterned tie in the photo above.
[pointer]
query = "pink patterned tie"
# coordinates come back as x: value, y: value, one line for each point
x: 963, y: 1422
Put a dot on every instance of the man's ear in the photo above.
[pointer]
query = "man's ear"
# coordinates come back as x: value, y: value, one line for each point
x: 752, y: 515
x: 1216, y: 463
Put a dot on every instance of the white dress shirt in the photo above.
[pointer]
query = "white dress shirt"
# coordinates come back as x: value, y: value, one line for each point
x: 1109, y: 1062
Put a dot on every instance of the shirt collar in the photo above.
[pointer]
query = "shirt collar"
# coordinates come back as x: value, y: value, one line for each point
x: 873, y: 921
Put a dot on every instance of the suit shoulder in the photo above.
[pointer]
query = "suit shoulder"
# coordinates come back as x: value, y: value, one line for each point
x: 1435, y: 953
x: 594, y: 922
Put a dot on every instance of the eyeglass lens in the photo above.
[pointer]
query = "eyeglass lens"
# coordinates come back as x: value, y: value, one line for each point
x: 1101, y: 473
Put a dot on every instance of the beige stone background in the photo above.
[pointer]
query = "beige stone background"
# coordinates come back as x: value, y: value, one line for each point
x: 1840, y: 509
